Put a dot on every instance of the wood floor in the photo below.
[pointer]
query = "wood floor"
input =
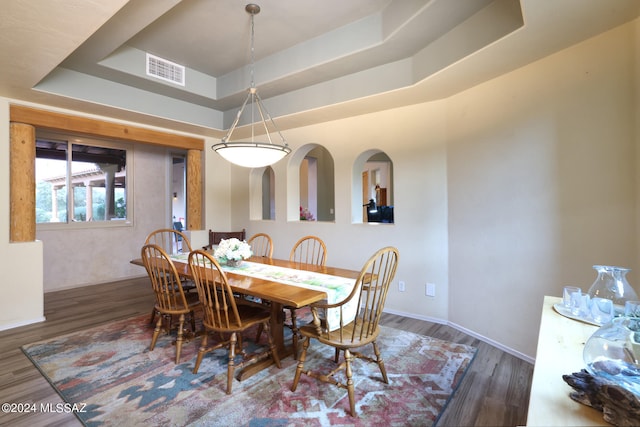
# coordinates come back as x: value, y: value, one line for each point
x: 494, y: 392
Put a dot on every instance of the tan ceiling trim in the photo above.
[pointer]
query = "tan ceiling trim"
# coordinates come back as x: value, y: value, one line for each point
x: 100, y: 128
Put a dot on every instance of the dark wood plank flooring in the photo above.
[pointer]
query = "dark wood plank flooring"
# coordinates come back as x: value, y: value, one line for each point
x: 494, y: 392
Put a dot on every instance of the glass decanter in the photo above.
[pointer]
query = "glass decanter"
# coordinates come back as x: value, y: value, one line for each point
x: 612, y: 284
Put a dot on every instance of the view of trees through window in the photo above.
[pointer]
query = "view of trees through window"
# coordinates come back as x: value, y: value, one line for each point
x: 96, y: 175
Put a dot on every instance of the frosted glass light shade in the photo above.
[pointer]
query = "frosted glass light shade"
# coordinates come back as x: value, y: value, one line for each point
x: 251, y: 154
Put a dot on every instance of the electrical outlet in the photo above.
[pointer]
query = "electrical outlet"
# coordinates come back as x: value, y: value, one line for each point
x: 401, y: 286
x: 430, y: 290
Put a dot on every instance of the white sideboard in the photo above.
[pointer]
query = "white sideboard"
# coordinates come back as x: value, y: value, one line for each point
x: 559, y: 352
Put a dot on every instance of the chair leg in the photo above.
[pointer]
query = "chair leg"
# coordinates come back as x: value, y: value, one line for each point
x: 303, y: 355
x: 380, y: 362
x: 272, y: 346
x: 201, y: 351
x: 294, y: 330
x: 239, y: 345
x: 179, y: 338
x: 350, y: 387
x: 153, y: 316
x: 231, y: 365
x: 259, y: 333
x: 156, y: 332
x: 193, y: 321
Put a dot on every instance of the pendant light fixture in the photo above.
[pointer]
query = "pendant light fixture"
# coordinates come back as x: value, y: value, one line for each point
x: 252, y: 154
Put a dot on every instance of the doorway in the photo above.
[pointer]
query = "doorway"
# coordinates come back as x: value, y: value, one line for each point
x: 178, y: 191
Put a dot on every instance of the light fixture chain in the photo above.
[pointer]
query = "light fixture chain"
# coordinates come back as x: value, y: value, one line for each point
x: 252, y: 154
x: 253, y: 59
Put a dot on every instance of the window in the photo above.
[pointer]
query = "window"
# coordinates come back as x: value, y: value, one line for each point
x: 80, y: 180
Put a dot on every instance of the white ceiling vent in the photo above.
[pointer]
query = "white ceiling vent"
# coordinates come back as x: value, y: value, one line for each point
x: 165, y: 70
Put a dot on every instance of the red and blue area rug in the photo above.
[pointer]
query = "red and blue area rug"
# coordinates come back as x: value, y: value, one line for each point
x: 110, y: 374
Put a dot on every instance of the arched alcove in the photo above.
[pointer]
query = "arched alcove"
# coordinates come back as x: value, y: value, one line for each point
x: 372, y: 198
x: 311, y: 183
x: 262, y: 194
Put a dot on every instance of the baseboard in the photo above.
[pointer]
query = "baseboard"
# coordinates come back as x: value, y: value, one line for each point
x: 415, y: 316
x: 83, y: 285
x: 469, y: 332
x: 24, y: 323
x: 496, y: 344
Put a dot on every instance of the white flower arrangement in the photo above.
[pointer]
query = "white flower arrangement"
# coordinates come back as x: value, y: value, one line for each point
x: 232, y: 250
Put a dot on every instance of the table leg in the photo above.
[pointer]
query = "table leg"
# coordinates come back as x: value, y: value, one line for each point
x: 277, y: 334
x: 277, y: 328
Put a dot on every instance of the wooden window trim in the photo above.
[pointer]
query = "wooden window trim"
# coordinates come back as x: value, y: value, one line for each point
x: 23, y: 226
x: 99, y: 128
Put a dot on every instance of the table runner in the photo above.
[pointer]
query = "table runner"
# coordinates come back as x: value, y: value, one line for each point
x: 336, y: 287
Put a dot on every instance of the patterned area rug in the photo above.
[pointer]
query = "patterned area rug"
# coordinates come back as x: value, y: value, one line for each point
x: 109, y: 372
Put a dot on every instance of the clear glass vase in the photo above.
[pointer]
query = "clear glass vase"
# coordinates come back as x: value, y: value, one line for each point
x: 612, y: 284
x: 613, y: 352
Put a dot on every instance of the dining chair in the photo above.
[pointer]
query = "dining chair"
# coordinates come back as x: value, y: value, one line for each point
x: 307, y: 250
x: 261, y: 245
x: 223, y: 317
x: 168, y: 239
x: 357, y: 317
x: 171, y: 300
x: 216, y: 236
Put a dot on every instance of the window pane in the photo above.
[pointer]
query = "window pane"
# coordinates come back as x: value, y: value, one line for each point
x: 97, y: 175
x: 102, y: 169
x: 51, y: 189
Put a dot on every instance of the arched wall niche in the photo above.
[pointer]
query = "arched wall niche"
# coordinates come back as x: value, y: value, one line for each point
x: 262, y: 184
x: 311, y: 183
x: 372, y: 179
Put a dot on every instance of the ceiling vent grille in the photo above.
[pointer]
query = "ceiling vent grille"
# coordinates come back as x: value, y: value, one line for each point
x: 165, y: 70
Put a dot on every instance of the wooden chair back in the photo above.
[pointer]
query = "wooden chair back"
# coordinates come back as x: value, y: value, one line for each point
x: 216, y: 236
x: 216, y: 297
x: 165, y: 280
x: 261, y: 245
x: 359, y: 316
x: 369, y: 295
x: 309, y: 250
x: 170, y: 240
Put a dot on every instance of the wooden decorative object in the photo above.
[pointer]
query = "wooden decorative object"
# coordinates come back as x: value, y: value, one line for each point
x: 619, y: 406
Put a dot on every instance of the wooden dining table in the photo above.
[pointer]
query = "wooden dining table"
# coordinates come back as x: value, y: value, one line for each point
x: 279, y: 295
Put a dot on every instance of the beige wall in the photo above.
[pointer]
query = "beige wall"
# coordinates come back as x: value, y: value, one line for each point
x: 21, y: 263
x: 418, y: 153
x: 541, y: 185
x: 87, y: 255
x: 503, y: 193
